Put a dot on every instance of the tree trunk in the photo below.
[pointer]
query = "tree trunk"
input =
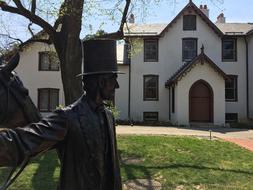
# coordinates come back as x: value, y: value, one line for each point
x: 70, y: 62
x: 68, y: 46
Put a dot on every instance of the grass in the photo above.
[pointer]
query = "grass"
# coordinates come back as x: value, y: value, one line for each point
x: 188, y: 162
x: 185, y: 162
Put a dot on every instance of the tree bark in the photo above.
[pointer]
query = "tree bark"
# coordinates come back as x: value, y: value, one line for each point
x: 68, y: 46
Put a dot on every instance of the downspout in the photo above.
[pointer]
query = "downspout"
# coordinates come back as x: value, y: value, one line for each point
x: 169, y: 105
x: 128, y: 49
x: 247, y: 76
x: 129, y: 93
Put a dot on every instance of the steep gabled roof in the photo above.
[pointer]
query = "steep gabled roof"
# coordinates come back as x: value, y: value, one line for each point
x: 192, y: 7
x: 235, y: 28
x: 202, y: 58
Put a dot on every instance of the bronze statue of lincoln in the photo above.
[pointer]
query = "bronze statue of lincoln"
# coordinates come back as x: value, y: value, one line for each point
x: 82, y: 133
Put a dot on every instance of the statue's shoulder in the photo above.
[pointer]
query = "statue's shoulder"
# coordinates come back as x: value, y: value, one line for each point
x: 72, y: 109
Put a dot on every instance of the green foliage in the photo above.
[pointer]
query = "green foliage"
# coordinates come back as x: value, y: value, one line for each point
x: 60, y: 106
x: 93, y: 36
x: 113, y: 109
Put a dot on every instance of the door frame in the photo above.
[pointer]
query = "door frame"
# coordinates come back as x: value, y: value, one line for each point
x: 211, y: 102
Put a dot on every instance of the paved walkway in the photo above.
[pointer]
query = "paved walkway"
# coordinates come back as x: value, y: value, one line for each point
x: 242, y: 137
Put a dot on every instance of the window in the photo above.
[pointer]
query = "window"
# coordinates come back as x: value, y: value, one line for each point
x: 48, y: 61
x: 150, y: 50
x: 231, y: 89
x: 189, y: 47
x: 150, y: 88
x: 231, y: 117
x: 150, y: 116
x: 48, y: 99
x: 229, y: 52
x: 189, y: 22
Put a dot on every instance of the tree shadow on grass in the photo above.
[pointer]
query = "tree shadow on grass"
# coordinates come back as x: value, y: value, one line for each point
x: 44, y: 175
x: 131, y: 169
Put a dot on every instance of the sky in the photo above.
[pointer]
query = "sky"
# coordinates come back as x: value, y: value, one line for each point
x: 164, y: 12
x: 234, y: 11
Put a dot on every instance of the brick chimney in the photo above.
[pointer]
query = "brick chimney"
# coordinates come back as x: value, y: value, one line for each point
x: 131, y: 18
x: 204, y: 9
x: 221, y: 18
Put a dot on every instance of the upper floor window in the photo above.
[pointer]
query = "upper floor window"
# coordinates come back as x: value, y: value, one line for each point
x: 150, y: 50
x: 231, y: 89
x: 189, y: 22
x: 48, y: 61
x: 189, y: 48
x: 48, y: 99
x: 150, y: 88
x: 229, y: 52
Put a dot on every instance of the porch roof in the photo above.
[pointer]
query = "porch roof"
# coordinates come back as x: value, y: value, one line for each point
x: 202, y: 58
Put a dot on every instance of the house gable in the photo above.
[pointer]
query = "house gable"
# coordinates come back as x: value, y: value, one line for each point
x: 189, y: 8
x: 158, y: 30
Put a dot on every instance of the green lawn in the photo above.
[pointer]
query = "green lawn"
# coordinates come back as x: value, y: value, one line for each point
x: 173, y: 161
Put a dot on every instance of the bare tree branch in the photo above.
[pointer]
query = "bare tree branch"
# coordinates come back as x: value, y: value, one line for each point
x: 21, y: 10
x: 8, y: 8
x: 33, y: 7
x: 29, y: 28
x: 8, y: 36
x: 120, y: 33
x: 123, y: 20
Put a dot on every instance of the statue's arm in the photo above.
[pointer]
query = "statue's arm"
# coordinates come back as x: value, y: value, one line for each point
x: 17, y: 144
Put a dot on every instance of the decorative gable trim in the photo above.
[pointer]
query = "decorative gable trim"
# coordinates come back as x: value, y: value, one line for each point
x: 249, y: 32
x: 186, y: 68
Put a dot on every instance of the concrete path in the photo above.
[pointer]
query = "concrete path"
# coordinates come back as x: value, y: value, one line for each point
x: 242, y: 137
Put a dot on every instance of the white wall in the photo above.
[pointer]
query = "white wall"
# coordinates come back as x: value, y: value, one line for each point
x: 250, y: 52
x: 121, y: 94
x: 238, y: 68
x: 28, y: 71
x: 215, y: 80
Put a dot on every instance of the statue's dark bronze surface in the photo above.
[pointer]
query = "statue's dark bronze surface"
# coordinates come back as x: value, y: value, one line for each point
x: 83, y: 135
x: 16, y: 107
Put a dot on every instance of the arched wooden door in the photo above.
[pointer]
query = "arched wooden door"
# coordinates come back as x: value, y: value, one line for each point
x: 201, y: 102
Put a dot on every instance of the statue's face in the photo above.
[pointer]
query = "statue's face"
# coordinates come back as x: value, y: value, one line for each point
x: 109, y: 84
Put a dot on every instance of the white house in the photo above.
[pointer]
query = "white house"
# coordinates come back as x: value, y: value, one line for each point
x: 190, y: 70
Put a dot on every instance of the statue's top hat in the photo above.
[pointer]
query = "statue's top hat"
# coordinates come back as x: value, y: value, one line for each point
x: 99, y: 57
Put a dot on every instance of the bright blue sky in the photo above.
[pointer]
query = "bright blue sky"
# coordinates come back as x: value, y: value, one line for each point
x: 234, y: 11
